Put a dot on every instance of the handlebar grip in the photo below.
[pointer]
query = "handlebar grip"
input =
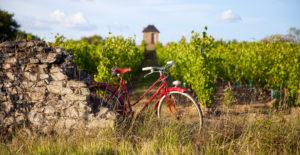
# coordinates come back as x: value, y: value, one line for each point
x: 147, y: 68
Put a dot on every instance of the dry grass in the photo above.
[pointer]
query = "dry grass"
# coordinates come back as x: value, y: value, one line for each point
x: 274, y: 133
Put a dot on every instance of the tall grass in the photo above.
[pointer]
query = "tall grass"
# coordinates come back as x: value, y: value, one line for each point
x: 274, y: 134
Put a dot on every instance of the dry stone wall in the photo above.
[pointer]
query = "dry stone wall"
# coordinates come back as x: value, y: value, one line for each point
x: 40, y: 91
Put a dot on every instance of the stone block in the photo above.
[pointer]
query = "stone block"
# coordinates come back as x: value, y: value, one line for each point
x: 34, y: 60
x: 82, y: 107
x: 44, y: 76
x: 30, y: 67
x: 58, y: 76
x: 49, y: 110
x: 71, y: 112
x: 50, y: 58
x: 6, y: 66
x: 11, y: 60
x: 7, y: 106
x: 38, y: 94
x: 10, y: 76
x: 7, y: 84
x: 40, y: 49
x: 36, y: 118
x: 58, y: 83
x: 30, y: 44
x: 55, y: 69
x: 30, y: 76
x: 76, y: 84
x: 26, y: 84
x: 8, y: 121
x: 74, y: 97
x: 22, y: 44
x: 59, y: 90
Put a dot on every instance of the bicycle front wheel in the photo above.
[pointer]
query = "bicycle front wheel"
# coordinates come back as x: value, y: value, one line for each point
x: 180, y: 107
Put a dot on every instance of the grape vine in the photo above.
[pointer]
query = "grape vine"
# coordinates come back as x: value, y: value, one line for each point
x: 202, y: 61
x: 99, y: 57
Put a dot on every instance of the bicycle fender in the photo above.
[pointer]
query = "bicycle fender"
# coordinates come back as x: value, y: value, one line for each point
x: 176, y: 89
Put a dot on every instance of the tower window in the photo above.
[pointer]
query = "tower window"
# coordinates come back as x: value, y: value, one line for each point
x: 152, y: 38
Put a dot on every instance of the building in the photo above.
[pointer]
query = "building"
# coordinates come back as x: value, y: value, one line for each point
x: 150, y: 37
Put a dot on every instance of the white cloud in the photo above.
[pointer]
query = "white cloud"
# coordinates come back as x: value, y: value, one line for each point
x: 76, y: 20
x: 230, y: 16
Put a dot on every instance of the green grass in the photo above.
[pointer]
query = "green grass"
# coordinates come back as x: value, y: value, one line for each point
x: 275, y: 134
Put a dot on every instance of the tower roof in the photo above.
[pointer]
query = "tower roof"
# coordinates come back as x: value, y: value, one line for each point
x: 150, y: 28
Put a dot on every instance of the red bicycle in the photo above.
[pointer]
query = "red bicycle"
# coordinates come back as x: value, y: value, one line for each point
x: 170, y: 102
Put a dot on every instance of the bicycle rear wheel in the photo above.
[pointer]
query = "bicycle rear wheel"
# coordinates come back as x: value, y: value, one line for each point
x: 101, y: 97
x: 182, y: 108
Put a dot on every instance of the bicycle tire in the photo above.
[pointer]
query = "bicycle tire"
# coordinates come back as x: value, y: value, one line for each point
x: 102, y: 97
x: 185, y: 109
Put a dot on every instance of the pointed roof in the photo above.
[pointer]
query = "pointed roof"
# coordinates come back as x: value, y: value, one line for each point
x: 150, y: 28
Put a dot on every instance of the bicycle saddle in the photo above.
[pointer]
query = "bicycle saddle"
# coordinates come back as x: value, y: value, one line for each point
x: 120, y: 70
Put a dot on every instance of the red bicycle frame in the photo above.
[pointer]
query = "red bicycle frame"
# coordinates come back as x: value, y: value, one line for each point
x: 162, y: 90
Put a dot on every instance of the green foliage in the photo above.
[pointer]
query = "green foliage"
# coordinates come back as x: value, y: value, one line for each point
x: 94, y: 39
x: 85, y: 55
x: 265, y: 65
x: 143, y: 46
x: 117, y: 52
x: 193, y: 64
x: 201, y: 61
x: 8, y: 26
x: 97, y: 56
x: 21, y: 35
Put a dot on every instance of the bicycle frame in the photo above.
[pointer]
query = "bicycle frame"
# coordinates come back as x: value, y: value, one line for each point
x: 159, y: 93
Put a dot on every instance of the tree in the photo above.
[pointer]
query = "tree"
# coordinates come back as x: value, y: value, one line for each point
x: 295, y: 33
x: 8, y: 26
x: 293, y: 36
x: 279, y: 38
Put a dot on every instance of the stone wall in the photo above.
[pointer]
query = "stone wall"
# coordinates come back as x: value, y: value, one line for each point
x: 40, y: 91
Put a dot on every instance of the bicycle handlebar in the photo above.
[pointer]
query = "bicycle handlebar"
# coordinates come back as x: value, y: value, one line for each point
x: 147, y: 68
x: 158, y: 69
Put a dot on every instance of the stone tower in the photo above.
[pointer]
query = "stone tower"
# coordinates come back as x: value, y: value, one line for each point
x: 150, y: 37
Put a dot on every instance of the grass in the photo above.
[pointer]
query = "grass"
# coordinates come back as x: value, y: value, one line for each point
x: 274, y: 134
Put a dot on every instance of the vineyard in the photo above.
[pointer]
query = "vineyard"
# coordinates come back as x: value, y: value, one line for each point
x: 98, y: 57
x: 202, y: 62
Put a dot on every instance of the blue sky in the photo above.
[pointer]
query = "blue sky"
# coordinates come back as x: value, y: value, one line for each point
x: 226, y: 19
